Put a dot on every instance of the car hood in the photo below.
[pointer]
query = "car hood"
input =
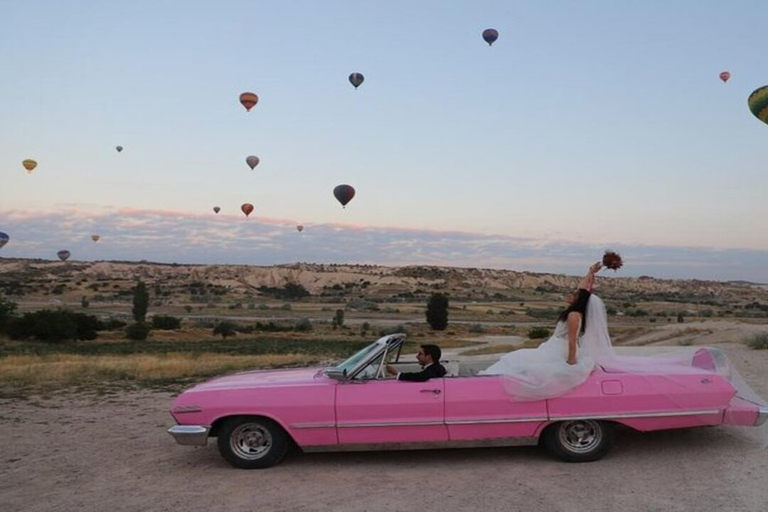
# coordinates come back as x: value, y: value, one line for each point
x: 262, y: 378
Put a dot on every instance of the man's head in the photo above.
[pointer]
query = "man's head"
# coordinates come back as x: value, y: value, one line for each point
x: 429, y: 354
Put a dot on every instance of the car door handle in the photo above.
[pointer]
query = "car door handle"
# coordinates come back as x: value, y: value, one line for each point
x: 435, y: 391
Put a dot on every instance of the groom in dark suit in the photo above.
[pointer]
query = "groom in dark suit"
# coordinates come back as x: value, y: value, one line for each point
x: 429, y: 359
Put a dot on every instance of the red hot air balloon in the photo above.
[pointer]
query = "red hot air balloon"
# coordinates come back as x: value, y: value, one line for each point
x: 249, y: 100
x: 247, y: 208
x: 490, y: 35
x: 216, y: 209
x: 724, y: 76
x: 356, y: 79
x: 344, y: 194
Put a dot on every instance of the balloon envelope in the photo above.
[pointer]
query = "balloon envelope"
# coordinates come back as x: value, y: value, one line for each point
x: 252, y: 161
x: 216, y: 209
x: 490, y: 35
x: 758, y: 103
x: 63, y: 255
x: 344, y: 194
x: 724, y: 76
x: 356, y: 79
x: 3, y: 239
x: 300, y: 228
x: 119, y: 148
x: 249, y: 100
x: 29, y: 164
x: 95, y: 238
x: 247, y: 208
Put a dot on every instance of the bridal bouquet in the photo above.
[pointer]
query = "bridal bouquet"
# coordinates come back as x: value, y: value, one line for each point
x: 612, y: 260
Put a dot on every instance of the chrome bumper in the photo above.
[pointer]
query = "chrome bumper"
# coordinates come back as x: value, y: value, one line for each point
x: 190, y: 435
x: 762, y: 416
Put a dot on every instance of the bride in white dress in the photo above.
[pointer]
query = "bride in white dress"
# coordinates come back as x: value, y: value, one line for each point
x: 563, y: 361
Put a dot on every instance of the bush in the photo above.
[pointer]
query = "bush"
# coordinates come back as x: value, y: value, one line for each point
x: 53, y: 326
x: 476, y: 328
x: 384, y: 331
x: 538, y: 333
x: 7, y: 312
x: 303, y: 325
x: 758, y: 341
x: 138, y: 331
x: 112, y: 324
x: 225, y: 329
x: 166, y: 322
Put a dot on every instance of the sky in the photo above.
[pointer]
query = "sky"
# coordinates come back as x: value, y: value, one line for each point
x: 588, y: 125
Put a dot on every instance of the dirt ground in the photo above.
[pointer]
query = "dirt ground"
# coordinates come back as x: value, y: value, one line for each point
x: 78, y: 452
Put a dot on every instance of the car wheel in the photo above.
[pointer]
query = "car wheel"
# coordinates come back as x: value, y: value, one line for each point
x: 578, y: 440
x: 252, y: 443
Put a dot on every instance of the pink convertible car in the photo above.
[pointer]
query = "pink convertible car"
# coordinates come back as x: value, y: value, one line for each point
x: 256, y: 416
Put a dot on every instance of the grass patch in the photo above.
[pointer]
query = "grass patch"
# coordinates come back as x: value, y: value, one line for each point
x: 758, y: 341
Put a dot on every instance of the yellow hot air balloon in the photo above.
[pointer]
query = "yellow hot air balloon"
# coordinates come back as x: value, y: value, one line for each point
x: 29, y: 165
x: 95, y: 238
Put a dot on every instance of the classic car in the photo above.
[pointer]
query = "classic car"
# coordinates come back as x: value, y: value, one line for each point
x: 257, y: 416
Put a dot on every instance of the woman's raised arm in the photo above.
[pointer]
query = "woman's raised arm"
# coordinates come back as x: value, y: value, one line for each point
x: 589, y: 280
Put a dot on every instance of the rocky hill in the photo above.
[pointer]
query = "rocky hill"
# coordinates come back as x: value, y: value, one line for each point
x: 335, y: 282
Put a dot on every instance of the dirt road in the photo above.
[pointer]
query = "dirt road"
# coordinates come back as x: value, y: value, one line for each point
x: 74, y: 452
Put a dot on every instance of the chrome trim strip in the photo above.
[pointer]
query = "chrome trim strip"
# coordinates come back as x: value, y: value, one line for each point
x: 190, y: 435
x: 762, y: 416
x: 636, y: 415
x: 506, y: 420
x: 474, y: 443
x: 313, y: 425
x: 392, y: 424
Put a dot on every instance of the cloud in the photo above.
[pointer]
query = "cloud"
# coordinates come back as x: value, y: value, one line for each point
x: 178, y: 237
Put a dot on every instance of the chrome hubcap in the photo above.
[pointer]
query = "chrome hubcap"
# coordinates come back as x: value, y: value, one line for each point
x: 250, y: 441
x: 580, y: 436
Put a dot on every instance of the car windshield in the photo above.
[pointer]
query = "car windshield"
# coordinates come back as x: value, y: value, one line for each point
x: 358, y: 357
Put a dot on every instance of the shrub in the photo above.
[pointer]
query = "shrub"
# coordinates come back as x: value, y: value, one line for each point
x: 303, y: 325
x: 538, y: 333
x: 225, y: 329
x: 112, y: 324
x: 384, y: 331
x: 166, y: 322
x: 364, y: 328
x: 476, y: 328
x: 138, y: 331
x: 338, y: 318
x: 758, y: 341
x: 53, y: 326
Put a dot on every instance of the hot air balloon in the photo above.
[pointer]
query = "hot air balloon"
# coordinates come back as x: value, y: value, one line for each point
x: 724, y: 76
x: 356, y: 79
x: 490, y: 35
x: 344, y: 194
x: 95, y: 238
x: 758, y: 103
x: 299, y: 228
x: 119, y: 148
x: 247, y: 208
x: 249, y: 100
x: 63, y: 255
x: 216, y: 209
x: 252, y: 161
x: 3, y: 239
x: 29, y: 165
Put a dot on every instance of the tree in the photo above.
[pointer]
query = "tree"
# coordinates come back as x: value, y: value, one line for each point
x: 437, y: 312
x: 338, y: 319
x: 7, y: 312
x: 140, y: 302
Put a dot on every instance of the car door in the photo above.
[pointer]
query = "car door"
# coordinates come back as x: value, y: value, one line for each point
x: 478, y: 408
x: 390, y: 411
